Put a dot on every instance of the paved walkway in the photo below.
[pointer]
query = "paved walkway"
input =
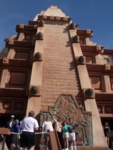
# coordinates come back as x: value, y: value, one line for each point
x: 4, y: 148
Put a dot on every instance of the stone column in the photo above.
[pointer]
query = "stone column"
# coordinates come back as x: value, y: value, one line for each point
x: 11, y: 54
x: 90, y: 104
x: 34, y: 102
x: 107, y: 84
x: 5, y: 78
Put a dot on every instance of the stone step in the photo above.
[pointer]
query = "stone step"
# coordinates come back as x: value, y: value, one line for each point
x: 54, y: 58
x: 57, y: 47
x: 61, y: 77
x: 91, y: 148
x: 58, y: 91
x: 59, y: 70
x: 67, y: 85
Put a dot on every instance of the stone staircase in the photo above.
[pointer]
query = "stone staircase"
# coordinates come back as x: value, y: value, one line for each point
x: 59, y: 69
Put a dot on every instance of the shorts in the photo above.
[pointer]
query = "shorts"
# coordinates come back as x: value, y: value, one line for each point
x: 27, y: 139
x: 65, y: 135
x: 72, y: 136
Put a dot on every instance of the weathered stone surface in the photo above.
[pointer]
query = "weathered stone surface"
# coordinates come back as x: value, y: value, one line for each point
x: 59, y: 70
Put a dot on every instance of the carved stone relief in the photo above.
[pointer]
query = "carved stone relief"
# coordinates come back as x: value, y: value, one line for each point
x: 54, y: 23
x: 66, y: 107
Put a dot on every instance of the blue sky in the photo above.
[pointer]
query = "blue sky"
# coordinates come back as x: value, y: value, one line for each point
x: 89, y: 14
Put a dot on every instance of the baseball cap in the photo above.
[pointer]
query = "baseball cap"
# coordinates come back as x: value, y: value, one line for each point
x: 12, y: 116
x: 17, y: 121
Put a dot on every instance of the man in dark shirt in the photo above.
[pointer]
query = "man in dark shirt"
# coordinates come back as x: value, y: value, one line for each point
x: 72, y: 135
x: 9, y: 125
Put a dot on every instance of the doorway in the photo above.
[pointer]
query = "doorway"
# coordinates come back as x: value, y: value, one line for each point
x: 110, y: 121
x: 6, y: 117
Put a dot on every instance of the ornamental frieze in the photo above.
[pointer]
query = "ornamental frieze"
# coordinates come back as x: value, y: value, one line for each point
x: 66, y: 107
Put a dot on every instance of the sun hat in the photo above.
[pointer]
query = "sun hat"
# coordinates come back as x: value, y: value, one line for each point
x: 12, y: 116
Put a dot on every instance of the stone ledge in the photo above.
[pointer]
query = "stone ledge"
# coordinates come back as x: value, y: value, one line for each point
x: 91, y: 148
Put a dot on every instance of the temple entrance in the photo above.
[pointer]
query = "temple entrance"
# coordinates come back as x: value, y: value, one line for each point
x: 109, y: 120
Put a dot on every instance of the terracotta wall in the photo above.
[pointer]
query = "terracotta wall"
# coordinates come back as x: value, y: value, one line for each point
x: 59, y: 70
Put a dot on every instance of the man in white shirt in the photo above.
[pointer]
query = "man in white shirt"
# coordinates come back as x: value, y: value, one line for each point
x: 29, y: 125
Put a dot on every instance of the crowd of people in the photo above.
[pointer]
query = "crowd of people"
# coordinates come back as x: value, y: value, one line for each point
x: 12, y: 139
x: 65, y: 130
x: 23, y: 133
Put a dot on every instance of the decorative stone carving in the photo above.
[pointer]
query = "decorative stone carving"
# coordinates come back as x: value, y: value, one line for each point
x: 35, y: 27
x: 75, y: 39
x: 57, y: 18
x: 89, y: 32
x: 39, y: 36
x: 65, y: 18
x: 72, y: 26
x: 21, y: 26
x: 44, y: 17
x: 5, y: 61
x: 81, y: 60
x: 99, y: 49
x: 51, y: 17
x: 11, y: 42
x: 40, y: 23
x: 34, y: 90
x: 66, y: 107
x: 107, y: 59
x: 38, y: 56
x: 88, y: 93
x: 107, y: 67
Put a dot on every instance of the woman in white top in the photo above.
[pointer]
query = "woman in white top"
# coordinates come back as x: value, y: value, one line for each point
x: 47, y: 125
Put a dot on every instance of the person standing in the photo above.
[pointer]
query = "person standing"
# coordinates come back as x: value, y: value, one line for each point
x: 72, y: 134
x: 58, y: 128
x: 65, y: 134
x: 106, y: 130
x: 29, y: 125
x: 9, y: 125
x: 47, y: 125
x: 57, y: 125
x: 15, y: 135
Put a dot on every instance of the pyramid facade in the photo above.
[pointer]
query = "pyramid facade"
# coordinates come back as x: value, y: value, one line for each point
x: 52, y: 65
